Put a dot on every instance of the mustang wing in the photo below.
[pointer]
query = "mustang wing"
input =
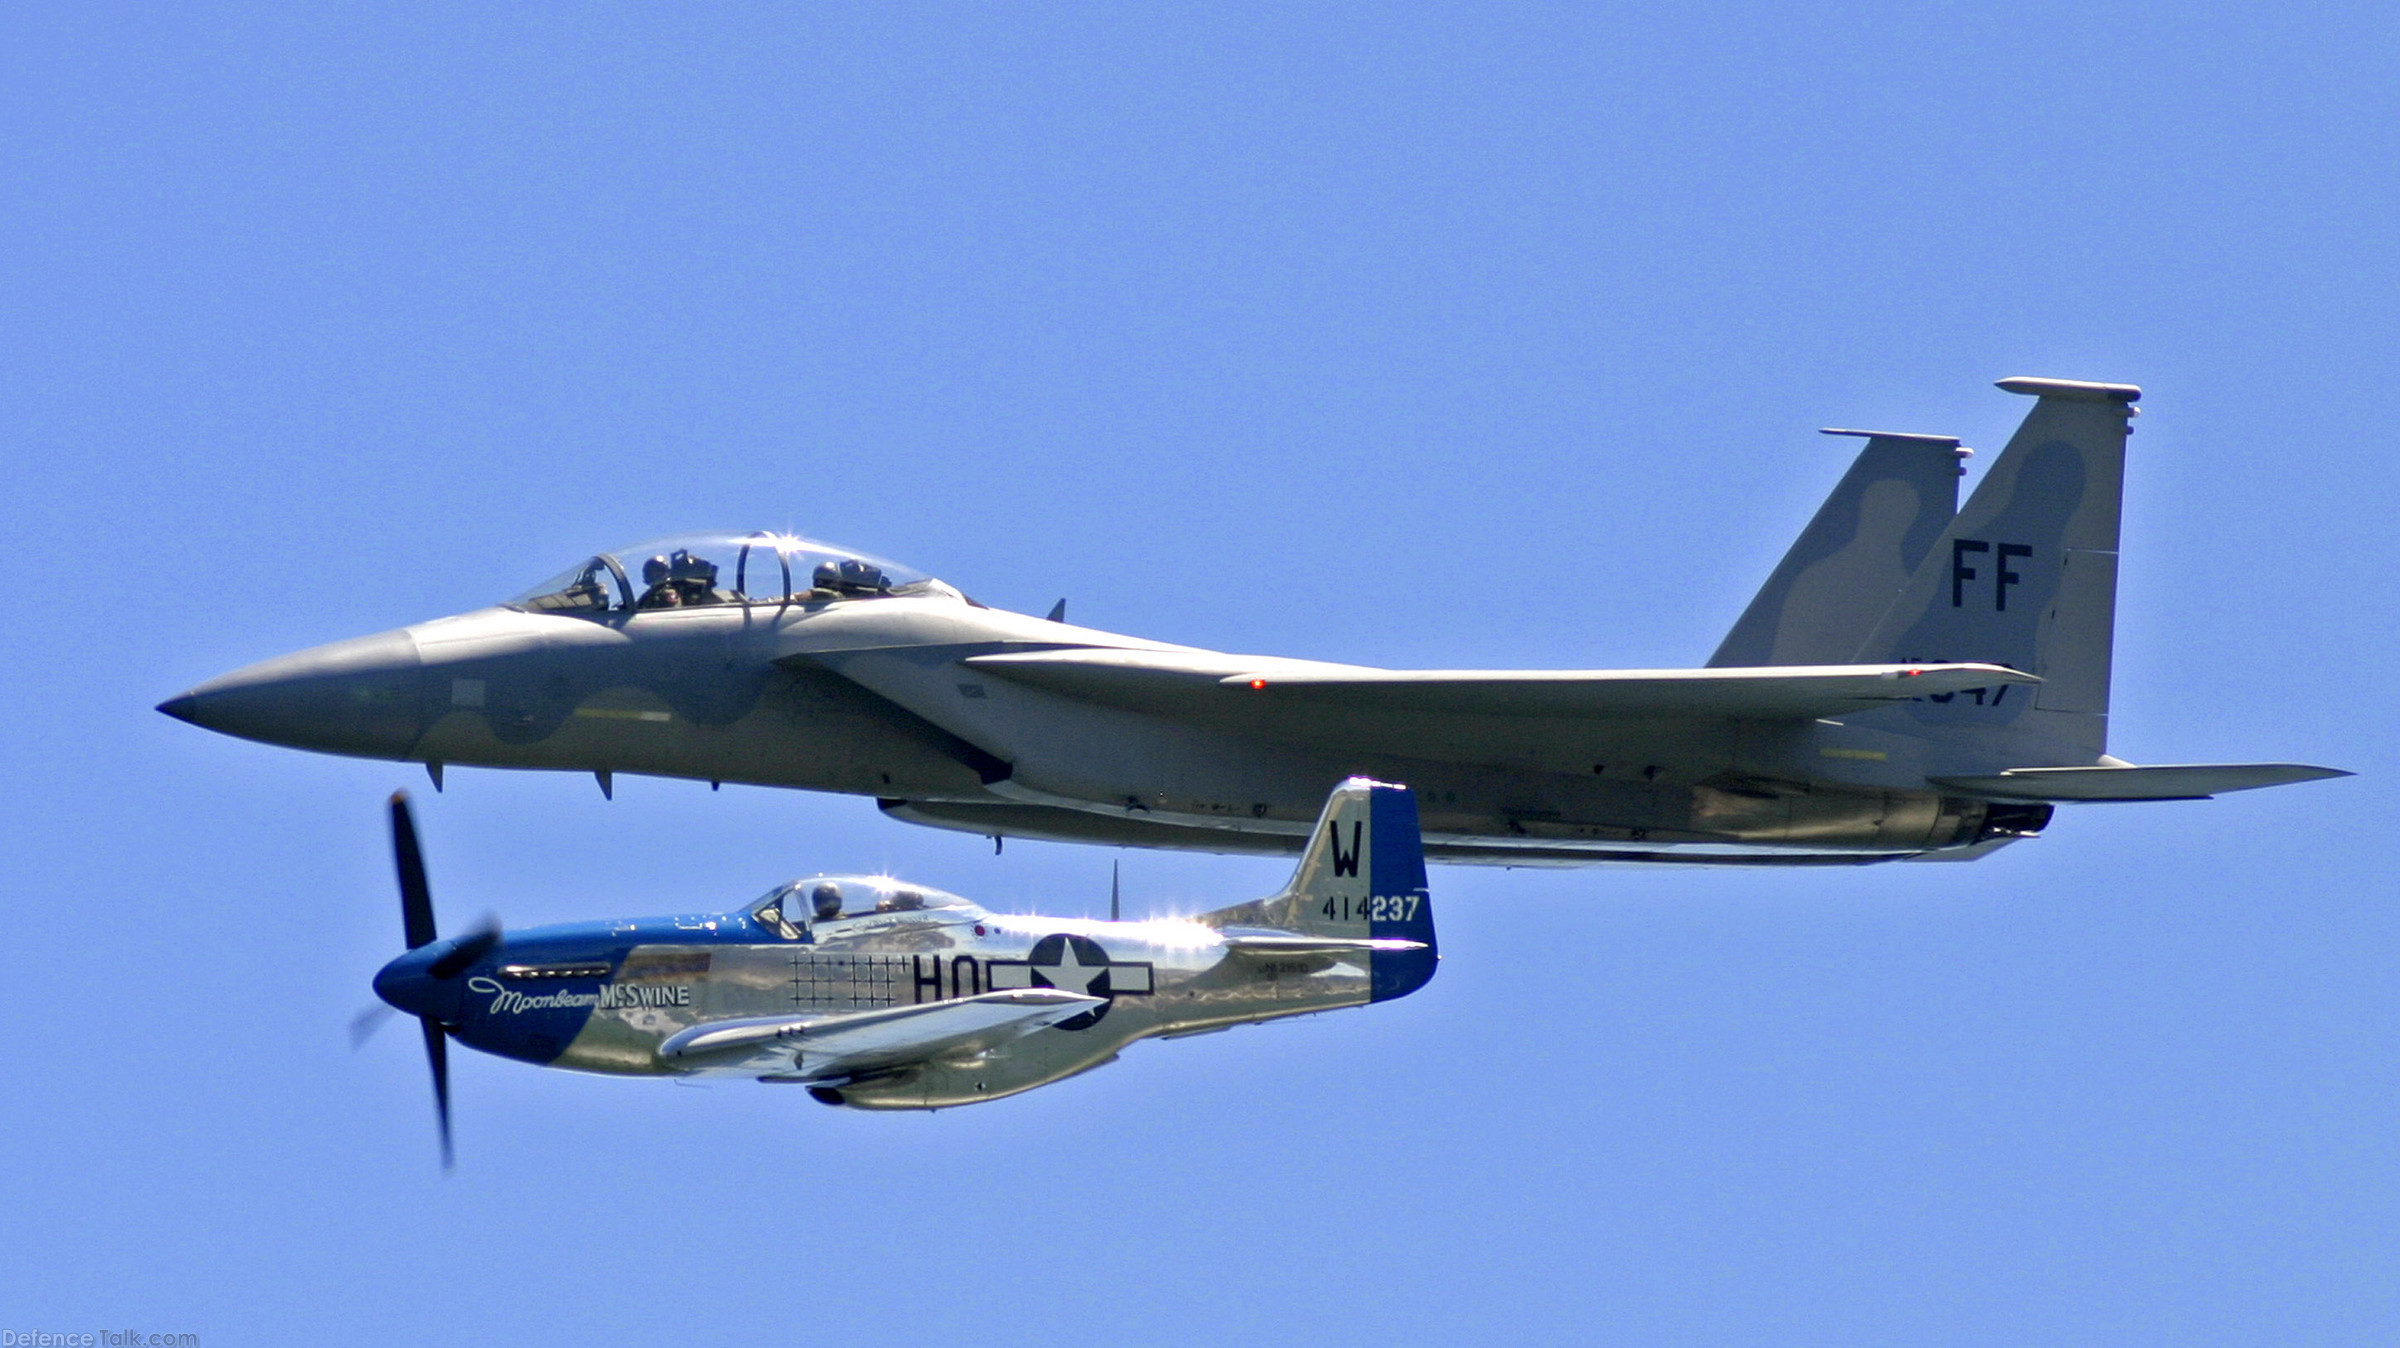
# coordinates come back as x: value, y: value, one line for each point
x: 1221, y: 688
x: 846, y: 1044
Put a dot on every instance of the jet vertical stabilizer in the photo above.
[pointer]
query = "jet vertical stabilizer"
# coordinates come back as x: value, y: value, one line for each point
x: 1854, y: 557
x: 2026, y: 576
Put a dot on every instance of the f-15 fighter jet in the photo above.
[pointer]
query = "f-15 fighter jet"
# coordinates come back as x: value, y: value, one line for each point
x: 878, y: 994
x: 1914, y: 680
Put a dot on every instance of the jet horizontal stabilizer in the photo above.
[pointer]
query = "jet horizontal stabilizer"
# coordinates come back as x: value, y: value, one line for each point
x: 1177, y: 683
x: 1899, y: 437
x: 2181, y: 781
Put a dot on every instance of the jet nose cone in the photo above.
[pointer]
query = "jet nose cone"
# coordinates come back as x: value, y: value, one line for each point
x: 360, y: 696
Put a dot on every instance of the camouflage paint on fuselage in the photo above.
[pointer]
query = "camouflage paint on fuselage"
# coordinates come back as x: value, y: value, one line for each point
x: 772, y: 660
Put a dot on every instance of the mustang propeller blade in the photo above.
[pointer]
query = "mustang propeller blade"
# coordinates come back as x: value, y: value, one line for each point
x: 470, y: 948
x: 416, y: 897
x: 437, y: 1056
x: 364, y: 1025
x: 417, y: 927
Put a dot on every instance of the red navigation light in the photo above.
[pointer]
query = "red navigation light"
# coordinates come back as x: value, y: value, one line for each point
x: 1258, y: 683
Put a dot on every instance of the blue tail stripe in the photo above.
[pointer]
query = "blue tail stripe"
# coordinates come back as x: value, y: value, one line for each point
x: 1397, y: 870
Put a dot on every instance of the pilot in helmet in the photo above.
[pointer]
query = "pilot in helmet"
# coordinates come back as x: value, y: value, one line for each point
x: 694, y: 578
x: 828, y: 900
x: 658, y: 578
x: 851, y: 576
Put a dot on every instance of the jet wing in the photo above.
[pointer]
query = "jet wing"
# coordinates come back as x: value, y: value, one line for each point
x: 2180, y: 781
x: 1216, y: 688
x: 820, y: 1047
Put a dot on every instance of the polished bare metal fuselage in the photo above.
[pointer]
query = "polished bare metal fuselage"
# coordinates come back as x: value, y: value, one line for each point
x: 874, y: 993
x: 1162, y: 978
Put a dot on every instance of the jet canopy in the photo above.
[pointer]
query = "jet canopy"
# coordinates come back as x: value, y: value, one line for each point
x: 697, y: 570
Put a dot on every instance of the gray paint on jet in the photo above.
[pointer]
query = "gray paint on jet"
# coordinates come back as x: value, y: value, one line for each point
x: 1853, y: 558
x: 876, y: 682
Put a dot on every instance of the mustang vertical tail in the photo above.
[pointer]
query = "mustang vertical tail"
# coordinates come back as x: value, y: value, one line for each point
x: 1360, y: 884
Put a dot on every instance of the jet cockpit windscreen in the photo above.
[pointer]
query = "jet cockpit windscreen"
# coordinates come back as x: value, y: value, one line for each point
x: 698, y: 570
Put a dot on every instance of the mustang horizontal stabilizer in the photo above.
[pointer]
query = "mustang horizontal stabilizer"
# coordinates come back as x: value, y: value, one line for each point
x: 1313, y: 953
x: 846, y: 1044
x: 1180, y: 683
x: 1265, y: 944
x: 2181, y: 781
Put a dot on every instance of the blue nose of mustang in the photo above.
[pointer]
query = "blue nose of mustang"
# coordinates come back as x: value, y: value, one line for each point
x: 409, y: 984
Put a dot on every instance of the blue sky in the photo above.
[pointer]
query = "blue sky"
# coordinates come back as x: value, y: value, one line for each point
x: 1415, y: 335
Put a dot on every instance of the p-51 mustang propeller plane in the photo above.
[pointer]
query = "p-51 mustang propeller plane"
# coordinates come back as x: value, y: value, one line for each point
x: 877, y: 994
x: 1914, y: 680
